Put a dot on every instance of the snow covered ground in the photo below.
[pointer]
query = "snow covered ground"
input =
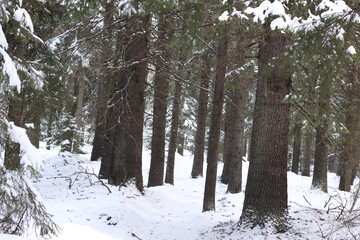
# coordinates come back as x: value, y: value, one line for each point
x: 85, y: 209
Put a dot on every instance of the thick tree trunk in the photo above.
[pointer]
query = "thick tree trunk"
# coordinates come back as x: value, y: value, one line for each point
x: 107, y: 139
x: 216, y: 118
x: 161, y: 89
x: 132, y: 86
x: 236, y: 135
x: 296, y: 148
x: 309, y: 141
x: 266, y: 188
x: 198, y: 164
x: 104, y: 83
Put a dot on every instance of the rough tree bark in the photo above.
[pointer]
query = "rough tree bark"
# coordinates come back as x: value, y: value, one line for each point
x: 128, y: 163
x: 101, y: 126
x: 236, y: 135
x: 161, y: 89
x: 175, y: 116
x: 198, y: 164
x: 216, y: 117
x: 349, y: 154
x: 321, y: 148
x: 226, y: 164
x: 266, y: 188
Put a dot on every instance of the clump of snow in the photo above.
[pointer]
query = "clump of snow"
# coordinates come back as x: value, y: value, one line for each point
x: 30, y: 153
x: 224, y: 16
x: 23, y: 17
x: 10, y: 70
x: 351, y: 50
x: 328, y: 9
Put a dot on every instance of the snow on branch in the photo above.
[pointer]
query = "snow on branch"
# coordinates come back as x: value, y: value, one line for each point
x: 10, y: 70
x: 23, y: 17
x: 278, y: 8
x: 30, y: 153
x: 3, y: 42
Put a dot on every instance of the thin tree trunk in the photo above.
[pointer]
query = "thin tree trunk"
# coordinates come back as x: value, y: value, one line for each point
x: 236, y: 135
x: 78, y: 115
x: 266, y: 187
x: 296, y: 148
x: 350, y: 153
x: 161, y: 89
x: 309, y: 140
x: 321, y: 151
x: 216, y: 117
x: 170, y: 165
x: 320, y: 160
x: 198, y: 164
x: 225, y: 175
x: 181, y: 138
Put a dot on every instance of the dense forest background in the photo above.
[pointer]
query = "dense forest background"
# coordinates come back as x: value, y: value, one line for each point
x: 276, y: 81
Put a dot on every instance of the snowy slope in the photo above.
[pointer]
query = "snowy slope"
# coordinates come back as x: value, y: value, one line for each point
x: 85, y: 209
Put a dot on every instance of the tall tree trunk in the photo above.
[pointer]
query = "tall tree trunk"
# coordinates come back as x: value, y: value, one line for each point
x: 78, y: 116
x: 104, y: 83
x: 216, y: 117
x: 321, y: 149
x: 225, y: 175
x: 175, y: 116
x: 309, y: 140
x: 198, y: 164
x: 132, y: 81
x: 296, y: 148
x: 161, y: 89
x: 266, y: 187
x: 236, y: 135
x: 350, y: 153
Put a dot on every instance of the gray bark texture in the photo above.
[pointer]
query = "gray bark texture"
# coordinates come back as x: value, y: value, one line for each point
x: 266, y: 187
x: 216, y: 118
x: 161, y: 89
x: 198, y: 164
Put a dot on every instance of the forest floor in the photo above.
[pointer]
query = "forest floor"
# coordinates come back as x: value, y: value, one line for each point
x: 86, y: 208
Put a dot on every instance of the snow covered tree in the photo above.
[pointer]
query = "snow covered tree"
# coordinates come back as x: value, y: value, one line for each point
x: 20, y: 205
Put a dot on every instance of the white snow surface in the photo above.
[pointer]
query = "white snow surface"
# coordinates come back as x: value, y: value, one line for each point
x: 23, y: 17
x: 85, y: 209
